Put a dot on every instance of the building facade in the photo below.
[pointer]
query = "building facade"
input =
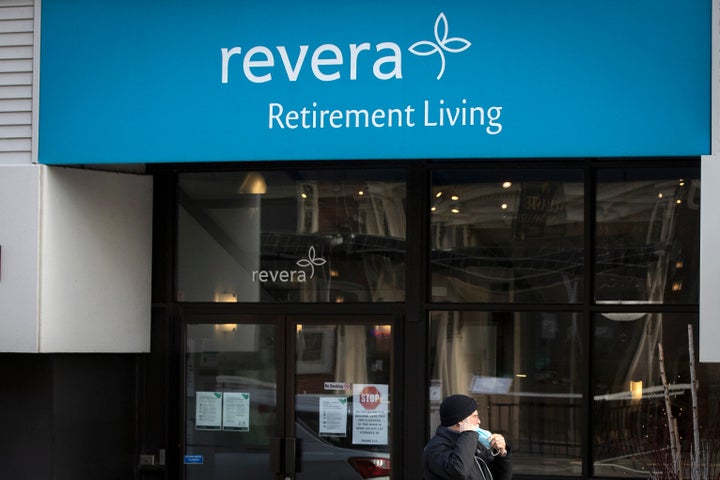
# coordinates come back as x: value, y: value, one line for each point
x: 237, y: 240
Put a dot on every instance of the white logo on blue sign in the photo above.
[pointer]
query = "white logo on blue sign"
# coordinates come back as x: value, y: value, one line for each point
x: 330, y: 62
x: 442, y: 43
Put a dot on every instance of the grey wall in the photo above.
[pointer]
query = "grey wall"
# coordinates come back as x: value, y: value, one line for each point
x: 68, y: 417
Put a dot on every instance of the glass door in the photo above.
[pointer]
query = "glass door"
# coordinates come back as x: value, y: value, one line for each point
x: 287, y: 397
x: 232, y: 396
x: 343, y: 378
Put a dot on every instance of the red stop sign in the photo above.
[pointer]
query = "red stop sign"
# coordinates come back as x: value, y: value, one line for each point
x: 370, y: 397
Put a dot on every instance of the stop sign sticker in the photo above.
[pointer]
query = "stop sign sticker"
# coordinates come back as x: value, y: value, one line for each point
x: 370, y: 397
x: 370, y: 414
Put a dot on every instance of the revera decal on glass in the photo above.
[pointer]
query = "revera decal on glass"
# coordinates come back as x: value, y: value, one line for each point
x: 291, y: 276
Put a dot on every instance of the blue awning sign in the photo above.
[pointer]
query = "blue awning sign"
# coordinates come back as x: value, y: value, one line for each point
x: 238, y: 81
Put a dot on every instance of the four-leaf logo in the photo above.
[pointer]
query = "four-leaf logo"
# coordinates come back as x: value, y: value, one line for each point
x: 311, y: 261
x: 443, y: 43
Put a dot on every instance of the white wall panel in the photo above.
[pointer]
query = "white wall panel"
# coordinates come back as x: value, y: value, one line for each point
x: 709, y: 224
x: 710, y: 260
x: 95, y: 262
x: 19, y: 247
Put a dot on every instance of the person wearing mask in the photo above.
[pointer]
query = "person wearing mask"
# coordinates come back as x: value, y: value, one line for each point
x: 460, y: 450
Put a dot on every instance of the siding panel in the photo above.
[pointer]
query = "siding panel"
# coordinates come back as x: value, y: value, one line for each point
x: 14, y: 26
x: 13, y: 51
x: 15, y: 144
x: 16, y: 65
x: 15, y: 105
x: 22, y: 78
x: 16, y: 13
x: 16, y: 80
x: 16, y: 38
x: 15, y: 118
x: 15, y: 132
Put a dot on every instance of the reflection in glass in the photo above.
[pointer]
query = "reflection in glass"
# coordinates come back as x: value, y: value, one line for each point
x: 344, y: 429
x: 631, y: 437
x: 524, y: 371
x: 647, y: 246
x: 292, y: 236
x: 507, y: 236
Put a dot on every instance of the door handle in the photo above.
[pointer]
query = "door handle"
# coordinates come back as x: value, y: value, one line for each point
x: 290, y: 455
x: 285, y: 455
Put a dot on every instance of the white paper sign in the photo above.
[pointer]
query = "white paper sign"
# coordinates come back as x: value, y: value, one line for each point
x: 370, y: 414
x: 333, y: 416
x: 208, y: 410
x: 490, y: 385
x: 236, y: 411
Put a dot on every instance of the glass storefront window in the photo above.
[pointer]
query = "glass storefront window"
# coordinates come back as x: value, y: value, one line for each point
x: 523, y: 368
x: 647, y: 241
x: 630, y: 430
x: 292, y: 236
x: 507, y: 235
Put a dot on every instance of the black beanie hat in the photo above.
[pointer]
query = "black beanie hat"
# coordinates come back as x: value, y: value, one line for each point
x: 455, y: 408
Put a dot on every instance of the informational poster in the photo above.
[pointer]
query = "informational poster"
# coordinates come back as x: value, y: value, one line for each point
x: 236, y: 411
x: 370, y: 414
x: 333, y: 416
x: 208, y: 410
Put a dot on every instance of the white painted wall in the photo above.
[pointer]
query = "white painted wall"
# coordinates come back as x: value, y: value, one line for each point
x: 709, y: 330
x: 95, y: 261
x: 709, y: 219
x: 19, y: 246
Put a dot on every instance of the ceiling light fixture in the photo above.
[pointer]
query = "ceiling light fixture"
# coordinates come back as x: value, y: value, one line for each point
x: 623, y: 316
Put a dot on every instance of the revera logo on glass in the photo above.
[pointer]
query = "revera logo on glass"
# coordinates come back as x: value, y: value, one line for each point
x: 292, y: 276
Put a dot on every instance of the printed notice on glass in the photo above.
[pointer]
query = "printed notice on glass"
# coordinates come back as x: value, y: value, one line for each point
x: 208, y: 410
x: 236, y: 411
x: 333, y: 416
x: 370, y: 414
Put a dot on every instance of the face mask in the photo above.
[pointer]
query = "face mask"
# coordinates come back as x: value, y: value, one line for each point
x: 484, y: 437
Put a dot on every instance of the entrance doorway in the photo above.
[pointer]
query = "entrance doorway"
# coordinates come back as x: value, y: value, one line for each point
x: 287, y: 397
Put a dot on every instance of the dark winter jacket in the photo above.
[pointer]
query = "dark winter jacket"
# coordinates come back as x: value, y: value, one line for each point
x: 451, y: 455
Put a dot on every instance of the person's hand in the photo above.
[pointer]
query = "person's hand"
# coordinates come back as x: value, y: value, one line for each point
x: 497, y: 442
